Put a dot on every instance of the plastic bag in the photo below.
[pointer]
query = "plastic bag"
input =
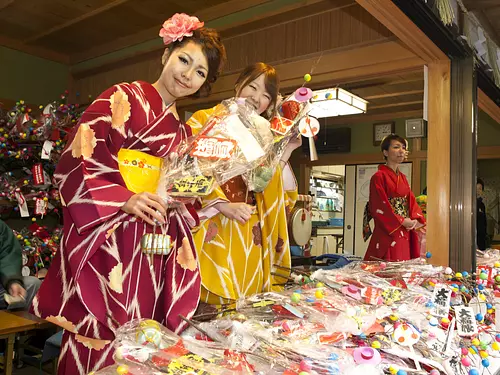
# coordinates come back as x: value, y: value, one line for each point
x: 284, y: 126
x: 234, y: 140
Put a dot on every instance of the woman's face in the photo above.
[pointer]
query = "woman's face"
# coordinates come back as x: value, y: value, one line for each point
x: 396, y: 153
x: 184, y: 72
x: 256, y: 94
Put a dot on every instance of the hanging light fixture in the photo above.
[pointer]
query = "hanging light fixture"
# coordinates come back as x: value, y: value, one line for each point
x: 336, y: 102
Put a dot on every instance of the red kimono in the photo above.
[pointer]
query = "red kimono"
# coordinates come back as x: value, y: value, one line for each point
x: 100, y: 279
x: 391, y: 201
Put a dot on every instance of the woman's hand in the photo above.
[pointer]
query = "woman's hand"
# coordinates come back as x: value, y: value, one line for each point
x: 146, y: 206
x: 241, y: 212
x: 291, y: 147
x: 16, y: 290
x: 409, y: 224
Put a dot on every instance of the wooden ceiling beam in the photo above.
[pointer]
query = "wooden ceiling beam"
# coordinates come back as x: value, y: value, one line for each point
x: 228, y: 30
x: 480, y: 4
x: 34, y: 50
x: 374, y: 117
x: 387, y: 13
x: 206, y: 15
x: 5, y: 3
x: 73, y: 21
x: 358, y: 63
x: 393, y: 94
x: 399, y: 104
x: 487, y: 105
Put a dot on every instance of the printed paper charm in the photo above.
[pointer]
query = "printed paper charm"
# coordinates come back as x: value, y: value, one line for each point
x: 309, y: 126
x: 281, y: 125
x: 213, y: 148
x: 406, y: 335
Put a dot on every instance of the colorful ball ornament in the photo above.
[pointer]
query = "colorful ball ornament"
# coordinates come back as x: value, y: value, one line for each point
x: 376, y: 344
x: 122, y: 370
x: 149, y: 332
x: 428, y: 255
x: 473, y: 371
x: 305, y: 365
x: 307, y: 77
x: 465, y: 361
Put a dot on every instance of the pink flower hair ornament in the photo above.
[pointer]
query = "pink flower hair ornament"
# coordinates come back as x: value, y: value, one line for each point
x: 179, y: 26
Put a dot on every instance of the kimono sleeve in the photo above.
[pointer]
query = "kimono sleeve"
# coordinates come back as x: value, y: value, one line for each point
x: 90, y: 184
x: 415, y: 210
x: 290, y: 186
x: 199, y: 119
x: 380, y: 208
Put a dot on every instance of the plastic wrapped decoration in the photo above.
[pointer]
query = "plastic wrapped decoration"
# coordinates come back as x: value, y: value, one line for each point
x: 285, y: 127
x: 145, y: 344
x: 234, y: 140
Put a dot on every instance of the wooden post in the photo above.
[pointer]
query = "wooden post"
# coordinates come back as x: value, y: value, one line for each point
x: 438, y: 162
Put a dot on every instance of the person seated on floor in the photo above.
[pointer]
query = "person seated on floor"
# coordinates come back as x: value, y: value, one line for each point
x: 16, y: 291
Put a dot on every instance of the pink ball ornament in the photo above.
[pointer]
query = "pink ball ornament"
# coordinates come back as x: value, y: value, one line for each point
x: 465, y: 361
x: 305, y: 365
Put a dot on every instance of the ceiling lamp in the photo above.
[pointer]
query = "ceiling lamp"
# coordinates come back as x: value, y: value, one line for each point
x: 336, y: 102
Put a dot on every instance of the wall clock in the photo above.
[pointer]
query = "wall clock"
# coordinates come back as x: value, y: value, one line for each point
x: 382, y: 130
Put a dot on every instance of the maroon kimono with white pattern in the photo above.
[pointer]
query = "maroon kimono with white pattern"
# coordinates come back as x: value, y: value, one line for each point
x: 100, y: 278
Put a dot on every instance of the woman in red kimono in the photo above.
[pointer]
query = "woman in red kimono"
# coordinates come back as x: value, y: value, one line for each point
x: 393, y: 207
x: 102, y: 277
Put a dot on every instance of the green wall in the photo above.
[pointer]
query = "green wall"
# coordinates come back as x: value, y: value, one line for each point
x: 362, y: 136
x: 32, y: 79
x: 488, y: 130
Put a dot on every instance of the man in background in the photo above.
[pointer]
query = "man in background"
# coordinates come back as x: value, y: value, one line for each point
x: 16, y: 291
x: 481, y: 222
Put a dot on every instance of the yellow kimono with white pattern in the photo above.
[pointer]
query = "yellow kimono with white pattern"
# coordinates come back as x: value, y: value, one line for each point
x: 236, y: 260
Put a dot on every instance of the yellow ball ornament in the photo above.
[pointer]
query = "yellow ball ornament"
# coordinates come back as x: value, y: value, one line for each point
x: 475, y: 342
x: 149, y: 332
x: 376, y: 345
x: 319, y: 294
x: 122, y: 370
x: 483, y: 354
x: 495, y: 346
x: 307, y: 77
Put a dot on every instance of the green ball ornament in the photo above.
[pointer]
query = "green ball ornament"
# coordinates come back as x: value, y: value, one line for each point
x: 266, y: 173
x: 307, y: 77
x: 259, y: 184
x: 483, y: 276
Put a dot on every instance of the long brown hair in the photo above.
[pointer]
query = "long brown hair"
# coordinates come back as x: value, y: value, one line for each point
x: 214, y: 50
x: 271, y: 80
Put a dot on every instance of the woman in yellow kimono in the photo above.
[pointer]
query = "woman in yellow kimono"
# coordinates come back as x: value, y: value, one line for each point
x: 243, y: 234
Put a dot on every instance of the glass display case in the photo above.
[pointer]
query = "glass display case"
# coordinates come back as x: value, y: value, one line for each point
x: 327, y: 190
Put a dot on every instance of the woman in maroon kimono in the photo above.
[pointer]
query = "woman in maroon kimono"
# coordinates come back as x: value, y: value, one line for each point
x: 393, y: 207
x: 102, y: 277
